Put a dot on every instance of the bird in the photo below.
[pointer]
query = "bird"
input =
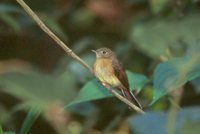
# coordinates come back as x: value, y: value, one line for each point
x: 109, y: 70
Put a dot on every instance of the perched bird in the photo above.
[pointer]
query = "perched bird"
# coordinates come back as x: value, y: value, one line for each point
x: 109, y: 70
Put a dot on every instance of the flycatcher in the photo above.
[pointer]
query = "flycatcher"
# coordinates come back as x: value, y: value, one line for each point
x: 109, y: 70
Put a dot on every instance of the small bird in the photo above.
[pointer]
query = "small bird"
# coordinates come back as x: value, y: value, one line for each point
x: 109, y: 70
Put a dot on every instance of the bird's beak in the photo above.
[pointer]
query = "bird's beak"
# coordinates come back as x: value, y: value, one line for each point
x: 94, y: 51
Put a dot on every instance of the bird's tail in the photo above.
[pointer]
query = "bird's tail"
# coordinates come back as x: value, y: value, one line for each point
x: 129, y: 95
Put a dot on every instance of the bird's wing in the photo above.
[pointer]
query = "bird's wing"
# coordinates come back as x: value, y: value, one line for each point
x: 122, y: 77
x: 120, y: 73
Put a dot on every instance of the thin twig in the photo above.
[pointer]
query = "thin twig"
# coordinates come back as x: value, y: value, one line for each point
x: 70, y: 52
x: 51, y: 34
x: 133, y: 106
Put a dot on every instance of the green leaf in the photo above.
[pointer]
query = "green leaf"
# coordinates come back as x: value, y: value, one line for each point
x: 155, y: 36
x: 10, y: 20
x: 137, y: 81
x: 33, y: 114
x: 93, y: 90
x: 155, y: 122
x: 1, y: 130
x: 9, y: 132
x: 173, y: 74
x: 39, y: 87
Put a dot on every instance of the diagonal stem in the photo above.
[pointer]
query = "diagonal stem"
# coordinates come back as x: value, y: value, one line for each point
x: 51, y: 34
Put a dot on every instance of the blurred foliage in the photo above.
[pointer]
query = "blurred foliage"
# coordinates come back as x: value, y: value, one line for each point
x: 175, y: 72
x: 9, y: 132
x: 29, y: 120
x: 155, y: 122
x: 166, y: 33
x: 158, y: 5
x: 36, y: 86
x: 196, y: 84
x: 1, y: 130
x: 157, y: 40
x: 6, y: 11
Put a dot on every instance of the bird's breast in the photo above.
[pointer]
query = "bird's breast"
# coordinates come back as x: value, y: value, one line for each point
x: 103, y: 70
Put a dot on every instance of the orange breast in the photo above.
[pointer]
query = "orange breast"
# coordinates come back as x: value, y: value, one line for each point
x: 104, y: 71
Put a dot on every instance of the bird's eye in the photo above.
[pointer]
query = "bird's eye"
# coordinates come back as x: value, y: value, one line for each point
x: 104, y: 52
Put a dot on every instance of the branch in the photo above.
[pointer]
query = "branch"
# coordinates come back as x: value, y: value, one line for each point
x: 127, y: 102
x: 70, y: 52
x: 51, y: 34
x: 172, y: 115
